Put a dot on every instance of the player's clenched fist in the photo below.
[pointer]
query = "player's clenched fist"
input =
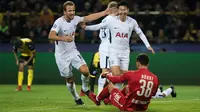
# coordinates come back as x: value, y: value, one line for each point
x: 67, y: 38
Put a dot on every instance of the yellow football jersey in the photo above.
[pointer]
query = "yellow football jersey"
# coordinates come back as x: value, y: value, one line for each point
x: 96, y: 60
x: 27, y: 47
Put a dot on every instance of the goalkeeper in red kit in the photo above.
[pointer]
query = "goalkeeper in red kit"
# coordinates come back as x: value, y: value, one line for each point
x: 136, y: 95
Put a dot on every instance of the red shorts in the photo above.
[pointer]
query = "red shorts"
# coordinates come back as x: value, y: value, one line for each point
x: 118, y: 99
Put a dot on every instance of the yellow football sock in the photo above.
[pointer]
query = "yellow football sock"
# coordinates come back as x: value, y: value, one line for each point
x: 30, y: 77
x: 20, y: 78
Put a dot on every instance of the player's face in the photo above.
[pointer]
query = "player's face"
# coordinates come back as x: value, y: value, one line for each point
x: 70, y: 11
x: 123, y: 11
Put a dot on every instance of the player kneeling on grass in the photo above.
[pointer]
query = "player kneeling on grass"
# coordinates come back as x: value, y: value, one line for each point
x: 27, y: 57
x: 162, y: 94
x: 136, y: 95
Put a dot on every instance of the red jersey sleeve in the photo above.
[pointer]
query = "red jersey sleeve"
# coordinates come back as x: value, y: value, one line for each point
x: 119, y: 79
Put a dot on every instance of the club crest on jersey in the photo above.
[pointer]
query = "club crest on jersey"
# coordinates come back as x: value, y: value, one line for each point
x: 72, y: 34
x: 122, y: 35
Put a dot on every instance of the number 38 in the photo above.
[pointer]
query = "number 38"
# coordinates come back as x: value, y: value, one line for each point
x: 146, y: 88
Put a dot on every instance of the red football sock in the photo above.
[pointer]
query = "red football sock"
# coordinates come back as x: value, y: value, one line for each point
x: 104, y: 93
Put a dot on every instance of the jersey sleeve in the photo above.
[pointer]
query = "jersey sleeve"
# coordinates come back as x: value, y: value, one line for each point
x: 138, y: 31
x: 103, y: 24
x: 119, y: 79
x: 96, y: 27
x: 79, y: 19
x: 31, y: 46
x: 56, y: 26
x: 15, y: 48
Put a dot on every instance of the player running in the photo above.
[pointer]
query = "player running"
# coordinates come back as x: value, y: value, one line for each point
x: 66, y: 53
x: 136, y: 95
x: 27, y: 57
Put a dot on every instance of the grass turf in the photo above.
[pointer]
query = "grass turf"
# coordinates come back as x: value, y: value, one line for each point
x: 56, y: 98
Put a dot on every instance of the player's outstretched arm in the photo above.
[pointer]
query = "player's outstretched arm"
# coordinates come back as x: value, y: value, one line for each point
x: 142, y: 37
x: 96, y: 16
x: 95, y: 27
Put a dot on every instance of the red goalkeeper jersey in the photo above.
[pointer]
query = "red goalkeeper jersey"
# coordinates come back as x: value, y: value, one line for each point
x: 142, y: 85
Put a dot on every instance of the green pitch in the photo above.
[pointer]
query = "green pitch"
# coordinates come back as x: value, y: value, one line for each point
x: 56, y: 98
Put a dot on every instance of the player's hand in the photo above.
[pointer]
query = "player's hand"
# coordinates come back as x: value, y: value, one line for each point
x: 108, y: 11
x: 25, y: 63
x: 151, y: 49
x: 68, y: 38
x: 104, y: 75
x: 83, y: 25
x: 17, y: 62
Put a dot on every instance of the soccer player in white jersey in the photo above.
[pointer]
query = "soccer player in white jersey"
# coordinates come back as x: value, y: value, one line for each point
x: 121, y: 30
x: 66, y: 53
x: 162, y: 94
x: 104, y: 35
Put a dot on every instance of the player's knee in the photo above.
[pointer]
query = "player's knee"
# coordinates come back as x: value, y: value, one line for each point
x: 21, y: 67
x: 69, y: 80
x: 115, y: 73
x: 84, y: 70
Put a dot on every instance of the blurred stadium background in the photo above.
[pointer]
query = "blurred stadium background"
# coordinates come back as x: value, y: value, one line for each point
x: 171, y: 26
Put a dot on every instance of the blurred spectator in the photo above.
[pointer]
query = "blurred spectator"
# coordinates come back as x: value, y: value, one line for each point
x: 23, y: 6
x: 34, y: 19
x: 31, y: 35
x: 37, y: 7
x: 135, y: 38
x: 198, y: 36
x: 149, y: 35
x: 4, y: 32
x: 1, y: 17
x: 15, y: 29
x: 7, y: 17
x: 161, y: 38
x: 45, y: 31
x: 174, y: 26
x: 27, y: 28
x: 46, y: 15
x: 188, y: 37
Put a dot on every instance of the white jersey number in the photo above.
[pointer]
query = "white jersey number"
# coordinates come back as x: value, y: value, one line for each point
x: 146, y: 88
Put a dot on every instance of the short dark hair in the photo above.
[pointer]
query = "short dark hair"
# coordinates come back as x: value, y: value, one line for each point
x: 123, y: 3
x: 70, y: 3
x: 143, y: 59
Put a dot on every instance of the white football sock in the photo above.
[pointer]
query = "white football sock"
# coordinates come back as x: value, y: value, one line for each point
x: 101, y: 83
x: 85, y: 83
x: 72, y: 89
x: 168, y: 91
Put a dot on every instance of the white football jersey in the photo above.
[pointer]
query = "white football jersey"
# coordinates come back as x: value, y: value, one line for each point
x: 64, y: 28
x: 104, y: 35
x: 120, y: 34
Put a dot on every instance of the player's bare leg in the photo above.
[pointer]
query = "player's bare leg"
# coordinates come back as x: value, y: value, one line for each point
x: 72, y: 88
x: 85, y: 77
x: 20, y: 76
x: 102, y: 81
x: 30, y: 77
x: 116, y: 72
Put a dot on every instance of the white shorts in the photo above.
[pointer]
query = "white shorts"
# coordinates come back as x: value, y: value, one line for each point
x: 71, y: 60
x: 119, y: 59
x: 104, y: 60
